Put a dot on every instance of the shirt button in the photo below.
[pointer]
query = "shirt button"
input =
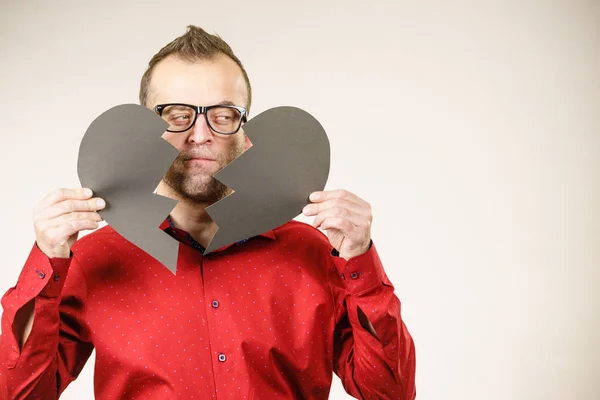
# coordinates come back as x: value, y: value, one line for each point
x: 354, y: 275
x: 41, y: 274
x: 215, y: 304
x: 222, y: 357
x: 56, y: 278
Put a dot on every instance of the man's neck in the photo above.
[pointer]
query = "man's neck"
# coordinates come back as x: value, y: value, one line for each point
x: 189, y: 216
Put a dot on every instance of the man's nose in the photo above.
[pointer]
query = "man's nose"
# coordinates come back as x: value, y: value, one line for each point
x: 200, y: 132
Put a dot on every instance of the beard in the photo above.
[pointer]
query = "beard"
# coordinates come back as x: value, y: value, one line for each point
x: 197, y: 184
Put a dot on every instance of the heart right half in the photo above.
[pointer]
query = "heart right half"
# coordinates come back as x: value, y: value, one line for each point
x: 272, y: 180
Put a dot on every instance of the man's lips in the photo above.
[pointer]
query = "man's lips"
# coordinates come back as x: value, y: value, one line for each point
x: 199, y: 160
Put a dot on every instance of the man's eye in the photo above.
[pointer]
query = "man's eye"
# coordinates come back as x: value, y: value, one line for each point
x: 222, y: 119
x: 179, y: 118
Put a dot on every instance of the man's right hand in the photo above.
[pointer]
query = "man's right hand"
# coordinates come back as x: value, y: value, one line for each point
x: 61, y: 215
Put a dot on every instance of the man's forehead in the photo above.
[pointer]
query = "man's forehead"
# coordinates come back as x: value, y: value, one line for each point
x: 214, y: 80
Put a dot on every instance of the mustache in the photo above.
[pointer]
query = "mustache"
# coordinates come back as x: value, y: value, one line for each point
x: 197, y: 154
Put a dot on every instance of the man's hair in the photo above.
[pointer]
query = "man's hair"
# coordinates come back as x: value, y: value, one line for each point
x: 195, y: 45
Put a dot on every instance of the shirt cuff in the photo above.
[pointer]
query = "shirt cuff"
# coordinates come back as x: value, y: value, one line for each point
x: 43, y: 276
x: 361, y: 273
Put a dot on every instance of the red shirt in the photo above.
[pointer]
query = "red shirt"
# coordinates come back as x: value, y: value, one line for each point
x: 270, y: 318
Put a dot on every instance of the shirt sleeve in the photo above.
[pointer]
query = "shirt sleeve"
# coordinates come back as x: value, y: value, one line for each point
x: 369, y: 366
x: 58, y: 346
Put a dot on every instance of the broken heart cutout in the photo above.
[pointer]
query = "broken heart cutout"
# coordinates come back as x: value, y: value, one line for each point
x: 122, y: 158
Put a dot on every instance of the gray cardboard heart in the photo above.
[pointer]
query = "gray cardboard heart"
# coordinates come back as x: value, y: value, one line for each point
x: 122, y: 158
x: 289, y: 159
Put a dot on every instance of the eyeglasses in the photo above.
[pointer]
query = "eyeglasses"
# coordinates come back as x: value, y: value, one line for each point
x: 223, y: 119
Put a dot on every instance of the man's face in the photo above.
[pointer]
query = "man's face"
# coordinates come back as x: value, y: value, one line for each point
x: 203, y: 152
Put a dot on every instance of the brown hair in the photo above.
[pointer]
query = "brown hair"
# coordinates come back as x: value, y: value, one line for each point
x: 195, y: 45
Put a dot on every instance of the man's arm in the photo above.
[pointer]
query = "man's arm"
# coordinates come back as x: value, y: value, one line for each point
x: 50, y: 297
x: 374, y: 352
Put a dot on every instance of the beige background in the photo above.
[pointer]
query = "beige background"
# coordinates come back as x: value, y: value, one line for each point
x: 473, y: 128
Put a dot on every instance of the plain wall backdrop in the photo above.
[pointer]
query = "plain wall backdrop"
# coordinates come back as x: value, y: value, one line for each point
x: 472, y: 127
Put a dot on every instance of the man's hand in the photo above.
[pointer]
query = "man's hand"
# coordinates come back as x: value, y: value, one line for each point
x: 59, y: 218
x: 346, y: 218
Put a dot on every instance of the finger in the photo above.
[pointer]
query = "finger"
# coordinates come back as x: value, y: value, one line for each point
x: 69, y: 206
x: 62, y: 194
x: 337, y: 212
x: 318, y: 197
x: 316, y: 208
x: 343, y: 225
x: 49, y: 224
x: 78, y: 215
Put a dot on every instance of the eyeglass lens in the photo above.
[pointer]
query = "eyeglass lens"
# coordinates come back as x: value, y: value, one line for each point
x: 220, y: 119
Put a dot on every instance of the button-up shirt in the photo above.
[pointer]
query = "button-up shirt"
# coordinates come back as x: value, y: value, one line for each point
x: 272, y: 317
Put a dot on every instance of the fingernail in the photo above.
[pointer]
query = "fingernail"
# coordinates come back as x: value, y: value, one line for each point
x: 314, y: 196
x: 87, y: 192
x: 100, y: 203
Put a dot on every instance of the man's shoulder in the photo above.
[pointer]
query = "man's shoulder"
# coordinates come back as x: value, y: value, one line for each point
x: 105, y: 250
x: 102, y: 237
x: 300, y: 231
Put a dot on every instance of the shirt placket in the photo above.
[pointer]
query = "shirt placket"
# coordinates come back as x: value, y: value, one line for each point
x: 189, y: 270
x: 221, y: 338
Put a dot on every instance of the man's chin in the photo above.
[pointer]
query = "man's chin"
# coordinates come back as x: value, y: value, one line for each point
x: 211, y: 192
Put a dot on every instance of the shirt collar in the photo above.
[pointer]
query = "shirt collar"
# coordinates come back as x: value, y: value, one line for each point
x: 168, y: 223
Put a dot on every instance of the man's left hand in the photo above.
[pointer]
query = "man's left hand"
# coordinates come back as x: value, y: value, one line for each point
x: 347, y: 219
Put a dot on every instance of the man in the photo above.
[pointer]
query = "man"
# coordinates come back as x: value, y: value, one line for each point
x: 268, y: 318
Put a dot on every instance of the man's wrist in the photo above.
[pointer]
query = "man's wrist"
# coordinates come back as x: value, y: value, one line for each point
x: 336, y: 253
x: 53, y: 255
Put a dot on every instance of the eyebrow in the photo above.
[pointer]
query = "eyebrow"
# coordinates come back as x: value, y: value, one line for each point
x: 173, y: 109
x: 226, y: 103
